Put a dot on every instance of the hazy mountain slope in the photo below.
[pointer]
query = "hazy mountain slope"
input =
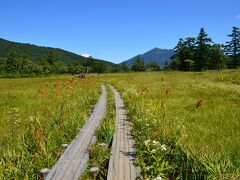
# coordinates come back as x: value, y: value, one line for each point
x: 158, y: 55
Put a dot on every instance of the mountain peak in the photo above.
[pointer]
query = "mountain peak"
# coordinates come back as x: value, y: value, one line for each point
x: 156, y: 54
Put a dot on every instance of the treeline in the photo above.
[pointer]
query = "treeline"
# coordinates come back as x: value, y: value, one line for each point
x: 201, y: 53
x: 139, y: 66
x: 190, y: 54
x: 13, y: 65
x: 22, y: 66
x: 23, y: 60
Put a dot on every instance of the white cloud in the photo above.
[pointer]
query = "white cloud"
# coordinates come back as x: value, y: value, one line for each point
x: 238, y: 17
x: 86, y: 55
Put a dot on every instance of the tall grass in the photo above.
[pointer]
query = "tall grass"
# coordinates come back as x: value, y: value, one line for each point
x: 232, y: 77
x: 186, y: 125
x: 40, y: 114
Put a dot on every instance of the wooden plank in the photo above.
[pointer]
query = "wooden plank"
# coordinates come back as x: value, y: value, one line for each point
x: 121, y: 164
x: 73, y: 161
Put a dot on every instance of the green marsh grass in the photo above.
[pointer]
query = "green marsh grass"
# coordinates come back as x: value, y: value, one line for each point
x: 232, y: 78
x: 196, y: 117
x: 37, y: 116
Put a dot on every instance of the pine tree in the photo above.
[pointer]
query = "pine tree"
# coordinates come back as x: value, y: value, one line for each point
x: 185, y: 49
x: 153, y: 66
x: 138, y: 65
x: 202, y: 47
x: 217, y: 58
x: 233, y: 47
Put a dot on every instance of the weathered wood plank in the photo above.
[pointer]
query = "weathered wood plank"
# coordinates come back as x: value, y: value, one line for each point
x: 73, y: 161
x: 121, y: 164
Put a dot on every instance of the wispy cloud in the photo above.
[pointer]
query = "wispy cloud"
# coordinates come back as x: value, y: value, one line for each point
x: 238, y: 17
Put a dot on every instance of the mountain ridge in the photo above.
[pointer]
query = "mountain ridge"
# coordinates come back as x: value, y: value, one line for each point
x: 156, y: 54
x: 38, y: 53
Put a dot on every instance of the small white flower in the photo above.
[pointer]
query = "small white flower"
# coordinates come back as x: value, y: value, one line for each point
x: 155, y: 143
x: 158, y: 178
x: 147, y: 142
x: 102, y: 144
x: 153, y: 151
x: 163, y: 147
x: 148, y: 168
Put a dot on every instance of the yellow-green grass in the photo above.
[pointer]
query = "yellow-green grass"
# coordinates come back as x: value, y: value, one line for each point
x: 37, y: 116
x: 197, y: 115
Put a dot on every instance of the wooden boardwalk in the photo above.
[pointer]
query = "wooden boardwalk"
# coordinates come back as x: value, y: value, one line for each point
x: 74, y: 159
x: 121, y: 164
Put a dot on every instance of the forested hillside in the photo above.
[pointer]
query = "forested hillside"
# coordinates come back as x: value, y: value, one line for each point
x: 21, y: 58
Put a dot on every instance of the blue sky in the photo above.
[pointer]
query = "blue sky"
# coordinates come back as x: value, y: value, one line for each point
x: 115, y: 30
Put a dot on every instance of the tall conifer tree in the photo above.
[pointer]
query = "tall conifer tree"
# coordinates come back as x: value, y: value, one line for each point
x: 233, y: 46
x: 202, y: 47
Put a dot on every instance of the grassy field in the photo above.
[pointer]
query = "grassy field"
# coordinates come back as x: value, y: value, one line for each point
x: 186, y: 125
x: 37, y: 116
